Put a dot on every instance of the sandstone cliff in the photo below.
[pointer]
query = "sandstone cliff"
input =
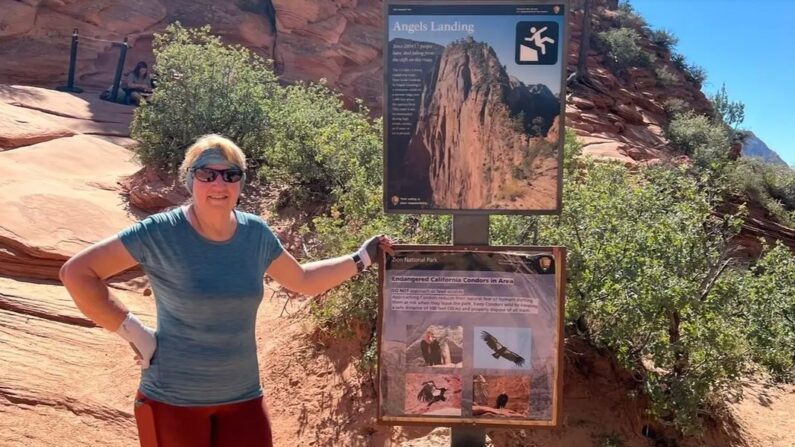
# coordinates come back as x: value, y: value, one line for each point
x: 338, y: 40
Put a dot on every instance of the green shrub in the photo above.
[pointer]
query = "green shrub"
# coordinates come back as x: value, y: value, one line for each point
x: 695, y: 74
x: 640, y: 248
x: 357, y: 214
x: 664, y: 38
x: 676, y: 106
x: 317, y: 145
x: 666, y: 77
x: 768, y: 308
x: 623, y: 51
x: 627, y: 17
x: 679, y: 61
x: 771, y: 185
x: 203, y: 87
x: 706, y: 141
x: 646, y: 277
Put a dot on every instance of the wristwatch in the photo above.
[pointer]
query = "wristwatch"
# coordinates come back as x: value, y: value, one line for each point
x: 359, y: 263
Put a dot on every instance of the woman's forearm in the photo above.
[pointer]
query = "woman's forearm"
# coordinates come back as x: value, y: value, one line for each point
x: 92, y: 297
x: 320, y: 276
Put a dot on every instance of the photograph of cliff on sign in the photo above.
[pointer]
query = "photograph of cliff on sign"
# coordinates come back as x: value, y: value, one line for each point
x: 473, y: 123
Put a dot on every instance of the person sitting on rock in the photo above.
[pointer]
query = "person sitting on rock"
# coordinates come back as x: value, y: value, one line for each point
x: 137, y: 85
x: 200, y: 379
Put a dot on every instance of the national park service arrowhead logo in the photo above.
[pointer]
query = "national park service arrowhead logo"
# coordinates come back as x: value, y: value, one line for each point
x: 537, y: 43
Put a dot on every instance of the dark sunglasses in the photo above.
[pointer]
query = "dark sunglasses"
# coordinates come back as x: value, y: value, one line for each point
x: 208, y: 175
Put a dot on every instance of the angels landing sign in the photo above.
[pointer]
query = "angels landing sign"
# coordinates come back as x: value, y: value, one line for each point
x: 474, y: 107
x: 471, y: 335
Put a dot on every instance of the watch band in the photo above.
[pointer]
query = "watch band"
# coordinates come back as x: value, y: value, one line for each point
x: 359, y: 262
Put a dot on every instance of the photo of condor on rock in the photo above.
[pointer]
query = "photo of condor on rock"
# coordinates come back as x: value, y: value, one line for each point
x: 470, y: 125
x: 501, y: 396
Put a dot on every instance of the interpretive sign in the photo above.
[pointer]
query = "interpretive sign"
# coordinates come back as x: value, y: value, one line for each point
x: 473, y: 107
x: 471, y: 335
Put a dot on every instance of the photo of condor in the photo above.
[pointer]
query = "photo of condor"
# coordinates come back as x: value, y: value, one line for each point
x: 502, y: 400
x: 433, y: 394
x: 502, y: 348
x: 436, y: 346
x: 501, y: 396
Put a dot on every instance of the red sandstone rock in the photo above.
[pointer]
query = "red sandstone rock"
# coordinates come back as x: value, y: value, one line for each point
x: 22, y: 127
x: 73, y: 182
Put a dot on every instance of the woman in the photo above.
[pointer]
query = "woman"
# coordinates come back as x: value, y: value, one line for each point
x: 137, y: 84
x: 206, y: 261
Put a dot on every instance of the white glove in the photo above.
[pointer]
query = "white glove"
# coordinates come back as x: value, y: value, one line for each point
x: 141, y: 338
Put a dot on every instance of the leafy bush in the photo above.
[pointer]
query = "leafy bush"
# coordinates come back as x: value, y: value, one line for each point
x: 318, y: 145
x: 693, y: 73
x: 771, y: 185
x: 664, y: 38
x: 769, y: 312
x: 704, y: 140
x: 696, y: 74
x: 676, y: 106
x: 203, y: 87
x: 640, y: 250
x: 679, y: 61
x: 666, y: 77
x: 650, y: 277
x: 629, y: 18
x: 621, y: 46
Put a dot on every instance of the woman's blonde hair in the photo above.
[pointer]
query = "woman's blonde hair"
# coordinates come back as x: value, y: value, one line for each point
x: 231, y: 151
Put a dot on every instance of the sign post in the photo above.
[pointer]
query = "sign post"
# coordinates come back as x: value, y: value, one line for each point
x: 469, y: 230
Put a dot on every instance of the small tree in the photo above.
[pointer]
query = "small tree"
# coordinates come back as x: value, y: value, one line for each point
x: 731, y: 112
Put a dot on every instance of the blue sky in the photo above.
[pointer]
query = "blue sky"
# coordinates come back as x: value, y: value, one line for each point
x: 491, y: 30
x: 749, y: 45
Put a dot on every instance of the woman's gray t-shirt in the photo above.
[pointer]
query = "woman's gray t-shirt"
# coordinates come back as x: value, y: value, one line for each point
x: 207, y: 294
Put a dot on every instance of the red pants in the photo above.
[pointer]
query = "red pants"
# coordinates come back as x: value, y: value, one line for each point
x: 243, y: 424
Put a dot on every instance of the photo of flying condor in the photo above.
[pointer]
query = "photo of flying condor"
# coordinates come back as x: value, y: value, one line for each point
x: 500, y: 350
